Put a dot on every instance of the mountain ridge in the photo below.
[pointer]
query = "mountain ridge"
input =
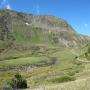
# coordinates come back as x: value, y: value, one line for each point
x: 43, y: 49
x: 40, y: 28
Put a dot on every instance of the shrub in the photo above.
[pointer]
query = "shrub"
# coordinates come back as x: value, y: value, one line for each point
x: 55, y: 39
x: 76, y: 57
x: 18, y: 82
x: 86, y: 54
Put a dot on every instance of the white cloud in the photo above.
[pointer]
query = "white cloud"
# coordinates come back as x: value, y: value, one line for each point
x: 85, y: 25
x: 5, y: 4
x: 4, y: 0
x: 38, y: 9
x: 8, y: 7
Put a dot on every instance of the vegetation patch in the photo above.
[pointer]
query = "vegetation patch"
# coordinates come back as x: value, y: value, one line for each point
x: 18, y: 82
x: 62, y: 79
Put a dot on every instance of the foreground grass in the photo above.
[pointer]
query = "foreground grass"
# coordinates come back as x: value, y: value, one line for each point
x: 81, y: 84
x: 65, y: 65
x: 22, y: 61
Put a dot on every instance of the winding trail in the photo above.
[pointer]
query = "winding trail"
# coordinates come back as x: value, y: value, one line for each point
x: 83, y: 60
x: 62, y: 85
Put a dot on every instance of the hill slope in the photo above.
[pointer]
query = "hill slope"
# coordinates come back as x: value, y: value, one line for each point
x: 42, y: 48
x: 20, y: 28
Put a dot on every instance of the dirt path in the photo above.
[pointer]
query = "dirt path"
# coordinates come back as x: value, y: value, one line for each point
x: 76, y: 82
x: 80, y: 59
x: 83, y: 60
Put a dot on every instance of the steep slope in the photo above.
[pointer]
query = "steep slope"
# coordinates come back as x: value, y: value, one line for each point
x: 20, y: 32
x: 42, y: 48
x: 20, y: 28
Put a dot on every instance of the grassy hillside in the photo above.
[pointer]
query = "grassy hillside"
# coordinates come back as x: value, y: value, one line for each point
x: 82, y: 84
x: 50, y: 67
x: 43, y: 49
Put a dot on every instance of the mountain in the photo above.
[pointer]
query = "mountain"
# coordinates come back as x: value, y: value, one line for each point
x: 20, y: 32
x: 44, y: 49
x: 21, y: 28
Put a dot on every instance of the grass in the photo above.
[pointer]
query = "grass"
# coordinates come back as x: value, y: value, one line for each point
x: 65, y: 65
x: 81, y: 84
x: 22, y: 61
x: 35, y: 46
x: 62, y: 79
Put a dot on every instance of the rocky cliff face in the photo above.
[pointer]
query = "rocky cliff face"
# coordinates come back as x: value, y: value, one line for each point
x: 20, y: 28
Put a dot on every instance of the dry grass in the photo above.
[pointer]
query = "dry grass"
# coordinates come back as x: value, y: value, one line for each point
x: 81, y: 84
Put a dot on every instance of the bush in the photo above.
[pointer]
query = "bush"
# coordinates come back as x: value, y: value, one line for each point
x: 18, y: 82
x: 86, y: 54
x: 76, y: 57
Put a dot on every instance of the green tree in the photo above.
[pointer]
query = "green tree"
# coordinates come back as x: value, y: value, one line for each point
x: 18, y: 82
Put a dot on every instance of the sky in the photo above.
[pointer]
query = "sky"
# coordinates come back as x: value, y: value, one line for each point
x: 75, y: 12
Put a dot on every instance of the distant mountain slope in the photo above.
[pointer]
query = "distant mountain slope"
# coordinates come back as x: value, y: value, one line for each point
x: 20, y: 29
